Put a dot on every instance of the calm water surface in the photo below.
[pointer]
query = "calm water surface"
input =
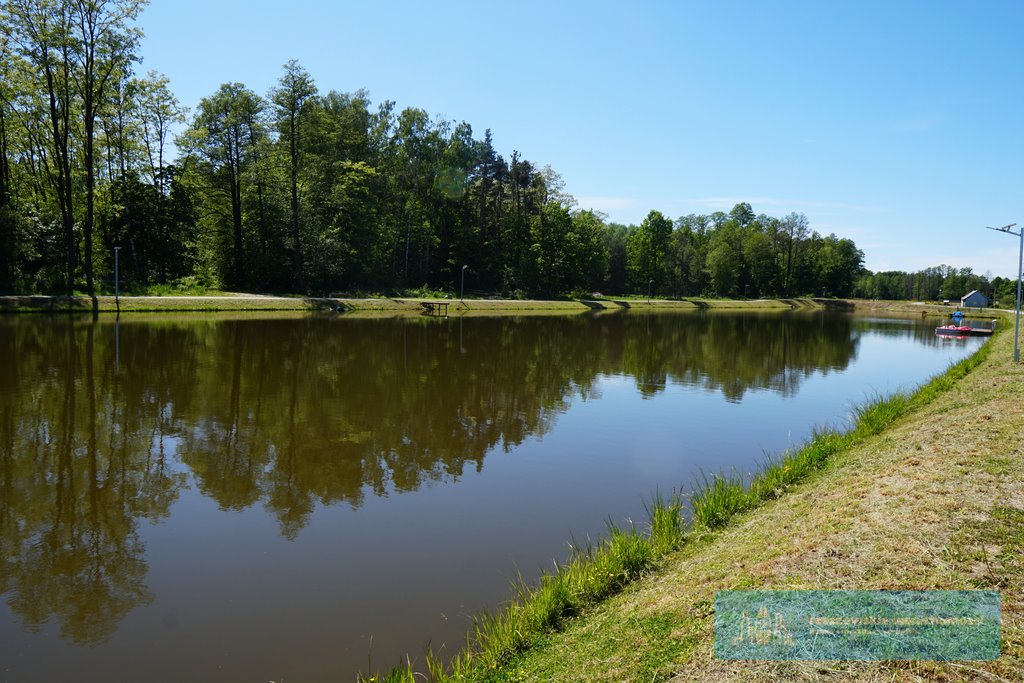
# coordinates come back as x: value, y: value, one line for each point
x: 258, y: 499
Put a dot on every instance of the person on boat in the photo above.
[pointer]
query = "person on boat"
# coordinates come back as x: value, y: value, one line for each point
x: 958, y: 318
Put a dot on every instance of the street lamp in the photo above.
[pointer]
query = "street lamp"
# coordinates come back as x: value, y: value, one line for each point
x: 117, y: 283
x: 462, y: 285
x: 1020, y: 266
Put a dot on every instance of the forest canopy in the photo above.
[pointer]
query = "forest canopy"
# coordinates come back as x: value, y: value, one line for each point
x: 310, y: 191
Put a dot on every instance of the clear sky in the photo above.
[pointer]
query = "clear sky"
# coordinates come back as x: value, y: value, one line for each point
x: 896, y: 124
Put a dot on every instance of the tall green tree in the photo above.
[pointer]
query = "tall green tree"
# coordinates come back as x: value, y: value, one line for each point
x: 795, y: 230
x: 760, y: 260
x: 224, y: 137
x: 688, y: 254
x: 646, y: 253
x: 42, y: 34
x: 725, y: 259
x: 291, y: 99
x: 344, y: 191
x: 159, y: 111
x: 106, y: 42
x: 590, y: 255
x: 8, y: 216
x: 616, y: 239
x: 838, y: 264
x: 552, y: 249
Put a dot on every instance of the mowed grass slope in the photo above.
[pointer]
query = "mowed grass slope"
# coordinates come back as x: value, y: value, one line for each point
x: 935, y: 500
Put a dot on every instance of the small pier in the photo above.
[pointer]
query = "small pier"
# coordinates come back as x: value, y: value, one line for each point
x: 965, y: 331
x: 435, y: 307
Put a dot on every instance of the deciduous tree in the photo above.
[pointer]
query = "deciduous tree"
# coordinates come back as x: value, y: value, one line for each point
x: 291, y: 98
x: 106, y: 41
x: 223, y: 137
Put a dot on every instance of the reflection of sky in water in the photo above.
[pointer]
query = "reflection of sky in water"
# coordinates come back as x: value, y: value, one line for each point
x: 687, y: 430
x: 234, y: 598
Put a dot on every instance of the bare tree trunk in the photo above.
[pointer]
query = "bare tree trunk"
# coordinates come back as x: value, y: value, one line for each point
x: 90, y: 196
x: 236, y: 223
x: 297, y: 268
x: 5, y: 168
x: 59, y: 105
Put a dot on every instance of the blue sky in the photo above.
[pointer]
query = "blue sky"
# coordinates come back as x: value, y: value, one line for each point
x: 896, y: 124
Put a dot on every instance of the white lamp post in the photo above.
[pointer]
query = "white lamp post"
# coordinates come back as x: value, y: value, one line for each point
x: 1020, y: 266
x: 117, y: 278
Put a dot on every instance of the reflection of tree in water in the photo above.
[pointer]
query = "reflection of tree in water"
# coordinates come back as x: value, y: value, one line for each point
x: 300, y: 412
x: 77, y: 471
x: 322, y: 411
x: 734, y: 353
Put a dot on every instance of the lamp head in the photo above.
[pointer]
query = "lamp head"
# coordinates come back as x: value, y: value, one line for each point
x: 1005, y: 228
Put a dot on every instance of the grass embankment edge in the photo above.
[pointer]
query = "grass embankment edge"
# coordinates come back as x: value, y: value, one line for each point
x: 397, y: 305
x: 922, y: 308
x: 600, y: 570
x: 403, y: 305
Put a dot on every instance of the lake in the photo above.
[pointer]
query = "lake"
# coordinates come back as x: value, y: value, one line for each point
x: 196, y: 498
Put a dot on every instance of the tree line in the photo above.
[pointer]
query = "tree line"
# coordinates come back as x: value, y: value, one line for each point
x: 933, y: 284
x: 306, y: 191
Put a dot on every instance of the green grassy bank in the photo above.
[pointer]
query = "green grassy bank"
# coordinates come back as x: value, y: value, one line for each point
x: 246, y: 302
x: 129, y: 304
x: 921, y: 308
x: 134, y: 304
x: 925, y: 491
